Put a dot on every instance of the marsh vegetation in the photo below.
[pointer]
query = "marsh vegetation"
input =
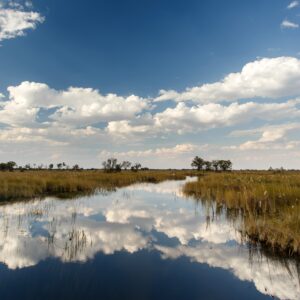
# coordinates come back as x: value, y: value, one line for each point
x: 40, y: 183
x: 268, y: 202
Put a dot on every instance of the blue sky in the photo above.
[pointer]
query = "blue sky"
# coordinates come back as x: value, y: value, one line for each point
x: 129, y: 65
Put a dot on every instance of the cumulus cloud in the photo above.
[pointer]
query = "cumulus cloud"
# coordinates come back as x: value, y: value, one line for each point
x: 136, y: 127
x: 37, y: 113
x: 15, y: 21
x: 183, y: 118
x: 288, y: 24
x: 264, y: 78
x: 75, y: 106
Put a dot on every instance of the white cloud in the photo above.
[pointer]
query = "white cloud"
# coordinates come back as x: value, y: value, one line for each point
x: 264, y: 78
x: 183, y: 118
x: 164, y: 151
x: 84, y: 121
x: 28, y: 135
x: 127, y: 128
x: 15, y: 21
x: 69, y: 115
x: 74, y: 106
x: 271, y: 137
x: 289, y: 24
x: 293, y: 4
x: 73, y: 115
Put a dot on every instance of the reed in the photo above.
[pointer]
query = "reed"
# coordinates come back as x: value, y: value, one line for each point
x: 29, y: 184
x: 269, y: 204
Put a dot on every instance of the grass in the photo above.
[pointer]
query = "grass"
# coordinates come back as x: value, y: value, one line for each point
x: 29, y: 184
x: 269, y: 204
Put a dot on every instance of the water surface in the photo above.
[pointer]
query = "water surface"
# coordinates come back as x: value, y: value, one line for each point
x: 146, y: 241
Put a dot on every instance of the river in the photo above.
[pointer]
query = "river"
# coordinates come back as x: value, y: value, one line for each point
x: 145, y: 241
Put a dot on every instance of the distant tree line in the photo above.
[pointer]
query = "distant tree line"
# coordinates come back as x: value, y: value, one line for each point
x: 214, y: 165
x: 11, y: 165
x: 112, y: 165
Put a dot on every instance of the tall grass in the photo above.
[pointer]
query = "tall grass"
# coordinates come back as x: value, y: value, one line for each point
x: 269, y: 204
x: 29, y: 184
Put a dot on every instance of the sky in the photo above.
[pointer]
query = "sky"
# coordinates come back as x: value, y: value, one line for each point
x: 156, y: 82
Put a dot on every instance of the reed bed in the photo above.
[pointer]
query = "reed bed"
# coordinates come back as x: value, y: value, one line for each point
x: 269, y: 204
x: 23, y: 185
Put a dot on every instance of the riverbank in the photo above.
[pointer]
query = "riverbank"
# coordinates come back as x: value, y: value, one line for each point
x: 268, y: 203
x: 29, y: 184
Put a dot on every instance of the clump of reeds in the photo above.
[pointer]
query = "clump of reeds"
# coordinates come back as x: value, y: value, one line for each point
x: 268, y: 202
x: 29, y: 184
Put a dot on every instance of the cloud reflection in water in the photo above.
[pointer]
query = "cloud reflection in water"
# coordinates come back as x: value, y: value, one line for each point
x: 132, y: 219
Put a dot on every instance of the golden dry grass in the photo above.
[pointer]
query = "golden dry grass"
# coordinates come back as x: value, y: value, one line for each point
x: 29, y: 184
x: 269, y: 203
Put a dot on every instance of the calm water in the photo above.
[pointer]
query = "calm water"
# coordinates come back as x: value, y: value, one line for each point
x: 142, y: 242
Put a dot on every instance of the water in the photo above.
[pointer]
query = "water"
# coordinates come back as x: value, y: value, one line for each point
x: 145, y: 241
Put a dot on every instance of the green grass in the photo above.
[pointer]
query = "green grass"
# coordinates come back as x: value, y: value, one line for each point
x: 268, y: 202
x: 21, y: 185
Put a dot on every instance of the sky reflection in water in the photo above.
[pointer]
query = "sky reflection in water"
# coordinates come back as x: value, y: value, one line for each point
x: 146, y: 234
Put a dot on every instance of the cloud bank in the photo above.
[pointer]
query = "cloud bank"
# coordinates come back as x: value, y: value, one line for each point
x: 264, y: 92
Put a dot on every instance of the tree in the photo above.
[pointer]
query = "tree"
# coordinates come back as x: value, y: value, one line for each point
x: 207, y: 165
x: 3, y: 167
x: 225, y: 165
x: 126, y: 164
x: 111, y: 165
x: 215, y: 164
x: 11, y: 165
x: 136, y: 167
x: 198, y: 163
x: 51, y: 166
x: 59, y: 166
x: 75, y: 167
